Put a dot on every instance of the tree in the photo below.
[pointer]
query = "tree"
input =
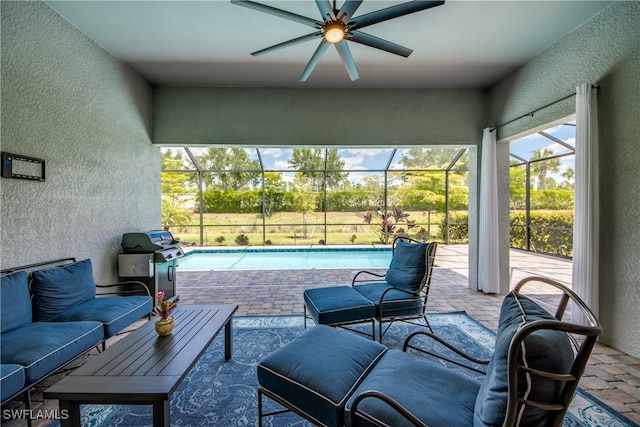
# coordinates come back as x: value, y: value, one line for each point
x: 540, y: 168
x: 517, y: 187
x: 274, y: 189
x: 569, y: 176
x: 433, y: 158
x: 231, y: 169
x: 174, y: 214
x: 311, y: 163
x: 175, y: 185
x: 304, y: 200
x: 177, y: 190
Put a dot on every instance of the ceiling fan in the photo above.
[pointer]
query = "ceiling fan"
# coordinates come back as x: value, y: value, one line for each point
x: 337, y: 26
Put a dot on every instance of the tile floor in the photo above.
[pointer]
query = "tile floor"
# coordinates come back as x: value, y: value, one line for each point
x: 612, y: 376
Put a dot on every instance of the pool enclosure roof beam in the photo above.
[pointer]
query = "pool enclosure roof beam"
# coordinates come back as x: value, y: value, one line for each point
x: 193, y: 159
x: 455, y: 159
x: 558, y: 141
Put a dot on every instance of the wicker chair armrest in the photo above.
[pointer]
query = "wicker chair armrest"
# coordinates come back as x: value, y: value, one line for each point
x: 456, y: 350
x: 139, y: 285
x: 372, y: 394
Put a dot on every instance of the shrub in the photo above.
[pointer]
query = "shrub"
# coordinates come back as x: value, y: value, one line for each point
x: 551, y: 231
x: 458, y: 227
x: 242, y: 240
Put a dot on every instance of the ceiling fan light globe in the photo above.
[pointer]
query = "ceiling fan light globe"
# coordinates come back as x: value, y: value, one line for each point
x: 334, y: 33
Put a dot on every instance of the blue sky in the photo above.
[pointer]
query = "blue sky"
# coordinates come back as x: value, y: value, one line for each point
x: 525, y: 147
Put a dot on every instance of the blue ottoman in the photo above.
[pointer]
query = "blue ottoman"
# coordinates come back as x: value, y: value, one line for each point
x: 315, y: 374
x: 339, y: 306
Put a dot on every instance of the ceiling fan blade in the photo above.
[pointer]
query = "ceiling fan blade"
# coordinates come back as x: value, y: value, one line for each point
x: 378, y: 43
x: 348, y: 9
x: 347, y: 59
x: 288, y: 43
x: 324, y: 6
x: 391, y: 13
x: 278, y: 12
x: 322, y: 48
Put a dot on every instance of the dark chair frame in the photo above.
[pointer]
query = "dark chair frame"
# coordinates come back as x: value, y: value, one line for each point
x: 582, y: 337
x: 390, y: 315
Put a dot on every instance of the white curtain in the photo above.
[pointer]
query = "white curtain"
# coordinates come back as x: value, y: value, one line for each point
x: 586, y: 207
x: 488, y: 263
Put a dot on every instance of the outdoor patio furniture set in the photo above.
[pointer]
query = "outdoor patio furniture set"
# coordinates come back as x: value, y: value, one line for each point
x: 332, y: 377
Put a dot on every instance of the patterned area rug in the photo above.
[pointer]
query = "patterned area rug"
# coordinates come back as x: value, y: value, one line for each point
x: 218, y: 393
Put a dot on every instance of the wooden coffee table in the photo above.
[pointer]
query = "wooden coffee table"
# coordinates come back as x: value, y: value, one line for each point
x: 143, y: 368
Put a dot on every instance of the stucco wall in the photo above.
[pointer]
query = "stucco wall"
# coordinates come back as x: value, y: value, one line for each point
x: 284, y: 117
x: 66, y: 100
x: 605, y: 51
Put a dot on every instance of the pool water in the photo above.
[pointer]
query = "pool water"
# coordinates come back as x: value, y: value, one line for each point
x: 284, y: 259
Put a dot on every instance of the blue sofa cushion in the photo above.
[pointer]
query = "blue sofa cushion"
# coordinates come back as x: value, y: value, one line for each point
x: 114, y: 312
x: 544, y: 350
x: 396, y: 302
x: 338, y: 304
x: 11, y: 380
x: 57, y: 289
x: 424, y: 387
x: 318, y: 371
x: 15, y: 308
x: 408, y: 266
x: 43, y: 347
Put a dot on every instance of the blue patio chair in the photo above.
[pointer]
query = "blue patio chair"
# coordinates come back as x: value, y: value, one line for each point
x: 399, y: 294
x: 402, y: 293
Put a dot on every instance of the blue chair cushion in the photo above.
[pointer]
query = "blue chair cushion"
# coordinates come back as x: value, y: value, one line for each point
x: 57, y: 289
x: 396, y: 302
x: 114, y: 312
x: 15, y: 301
x: 408, y: 265
x: 318, y: 371
x: 43, y: 347
x: 338, y: 304
x: 544, y: 350
x: 11, y: 380
x: 436, y: 395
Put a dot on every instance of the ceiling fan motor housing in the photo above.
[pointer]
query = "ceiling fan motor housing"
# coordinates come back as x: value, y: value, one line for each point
x: 334, y: 32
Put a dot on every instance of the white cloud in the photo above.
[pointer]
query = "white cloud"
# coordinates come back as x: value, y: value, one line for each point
x: 354, y: 162
x: 273, y: 152
x: 281, y: 164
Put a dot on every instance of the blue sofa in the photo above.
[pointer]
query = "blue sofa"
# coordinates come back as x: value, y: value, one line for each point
x: 51, y: 316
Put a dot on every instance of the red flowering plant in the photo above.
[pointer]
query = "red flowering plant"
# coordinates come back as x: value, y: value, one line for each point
x: 389, y: 220
x: 164, y: 308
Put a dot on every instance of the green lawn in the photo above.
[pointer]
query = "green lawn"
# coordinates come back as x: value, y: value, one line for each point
x: 291, y: 228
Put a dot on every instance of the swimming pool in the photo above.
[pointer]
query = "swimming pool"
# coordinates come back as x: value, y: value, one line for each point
x: 284, y: 259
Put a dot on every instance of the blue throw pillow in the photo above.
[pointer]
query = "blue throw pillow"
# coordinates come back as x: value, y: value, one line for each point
x: 546, y: 350
x: 57, y: 289
x: 408, y: 266
x: 15, y: 308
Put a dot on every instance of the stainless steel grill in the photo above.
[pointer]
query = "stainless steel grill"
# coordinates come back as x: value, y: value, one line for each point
x: 151, y: 257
